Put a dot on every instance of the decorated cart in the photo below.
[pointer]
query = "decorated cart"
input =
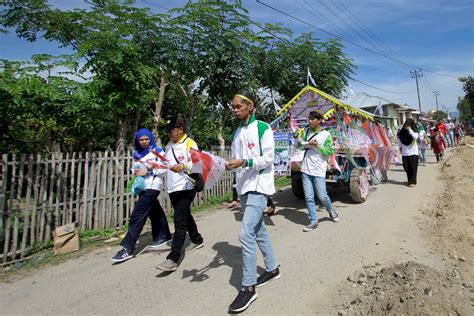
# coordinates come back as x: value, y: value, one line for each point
x: 361, y: 145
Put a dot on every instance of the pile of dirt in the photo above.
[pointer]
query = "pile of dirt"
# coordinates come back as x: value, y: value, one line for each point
x: 408, y: 288
x: 448, y: 226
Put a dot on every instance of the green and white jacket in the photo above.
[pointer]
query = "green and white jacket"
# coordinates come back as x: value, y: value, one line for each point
x: 254, y: 142
x: 315, y: 159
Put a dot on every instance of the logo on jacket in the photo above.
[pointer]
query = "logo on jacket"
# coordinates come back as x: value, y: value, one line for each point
x: 251, y: 145
x: 180, y: 157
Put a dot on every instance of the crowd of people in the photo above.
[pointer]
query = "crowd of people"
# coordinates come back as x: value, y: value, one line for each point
x: 252, y: 154
x: 414, y: 139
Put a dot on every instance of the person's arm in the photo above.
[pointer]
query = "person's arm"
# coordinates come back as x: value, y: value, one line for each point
x: 327, y: 148
x: 413, y: 134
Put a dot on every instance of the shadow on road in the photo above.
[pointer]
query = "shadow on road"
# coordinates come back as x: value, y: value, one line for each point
x: 226, y: 254
x: 404, y: 183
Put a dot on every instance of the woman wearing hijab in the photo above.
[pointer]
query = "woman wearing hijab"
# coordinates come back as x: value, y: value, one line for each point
x: 407, y: 142
x: 147, y: 204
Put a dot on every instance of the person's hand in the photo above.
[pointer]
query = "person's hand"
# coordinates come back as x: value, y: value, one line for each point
x: 177, y: 168
x: 313, y: 143
x: 233, y: 164
x: 141, y: 172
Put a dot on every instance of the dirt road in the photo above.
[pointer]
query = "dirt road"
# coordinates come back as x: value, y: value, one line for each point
x: 394, y: 226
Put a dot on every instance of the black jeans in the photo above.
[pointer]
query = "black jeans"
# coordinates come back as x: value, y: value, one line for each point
x: 147, y: 206
x: 183, y: 222
x: 410, y: 165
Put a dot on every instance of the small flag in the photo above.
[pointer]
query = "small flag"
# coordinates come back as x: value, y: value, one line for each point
x: 276, y: 106
x: 310, y: 78
x: 151, y: 162
x: 210, y: 166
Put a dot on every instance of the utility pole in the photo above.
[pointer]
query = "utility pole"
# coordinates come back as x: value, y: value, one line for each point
x: 436, y: 93
x: 416, y: 74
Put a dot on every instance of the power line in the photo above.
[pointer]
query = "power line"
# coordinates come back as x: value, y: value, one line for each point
x: 369, y: 85
x: 322, y: 17
x: 364, y: 28
x: 348, y: 41
x: 155, y: 5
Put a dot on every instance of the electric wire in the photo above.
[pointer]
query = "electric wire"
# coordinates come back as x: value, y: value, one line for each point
x: 347, y: 40
x: 364, y: 28
x: 374, y: 87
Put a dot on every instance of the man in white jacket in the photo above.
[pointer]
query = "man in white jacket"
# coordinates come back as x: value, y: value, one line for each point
x: 252, y: 153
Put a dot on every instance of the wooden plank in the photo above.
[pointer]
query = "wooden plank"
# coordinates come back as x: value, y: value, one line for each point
x: 104, y: 183
x: 57, y: 193
x: 3, y: 184
x: 49, y: 207
x: 92, y: 182
x: 7, y: 212
x: 26, y: 218
x: 98, y: 197
x: 110, y: 192
x: 120, y: 190
x: 115, y: 217
x: 36, y: 185
x: 85, y: 193
x: 77, y: 193
x: 65, y: 184
x: 98, y: 194
x: 42, y: 199
x: 17, y: 185
x: 71, y: 188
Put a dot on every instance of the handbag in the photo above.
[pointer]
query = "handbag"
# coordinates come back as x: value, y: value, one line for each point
x: 198, y: 182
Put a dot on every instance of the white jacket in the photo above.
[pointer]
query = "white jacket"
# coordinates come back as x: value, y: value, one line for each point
x: 254, y: 142
x: 154, y: 178
x: 178, y: 181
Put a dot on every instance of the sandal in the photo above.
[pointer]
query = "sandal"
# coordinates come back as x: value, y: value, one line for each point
x: 270, y: 210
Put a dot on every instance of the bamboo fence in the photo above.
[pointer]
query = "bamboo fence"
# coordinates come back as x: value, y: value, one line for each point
x: 38, y: 194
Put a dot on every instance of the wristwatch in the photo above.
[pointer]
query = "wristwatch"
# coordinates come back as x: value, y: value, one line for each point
x: 245, y: 163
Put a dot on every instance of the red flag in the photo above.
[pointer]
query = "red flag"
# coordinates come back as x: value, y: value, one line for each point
x: 210, y: 166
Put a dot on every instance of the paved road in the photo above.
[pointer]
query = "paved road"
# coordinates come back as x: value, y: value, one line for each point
x: 314, y: 265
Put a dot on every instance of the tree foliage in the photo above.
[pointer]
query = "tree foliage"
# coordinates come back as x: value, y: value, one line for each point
x: 140, y: 66
x: 466, y: 105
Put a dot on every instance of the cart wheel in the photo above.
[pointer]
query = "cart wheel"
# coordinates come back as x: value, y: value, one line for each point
x: 359, y: 185
x: 297, y: 187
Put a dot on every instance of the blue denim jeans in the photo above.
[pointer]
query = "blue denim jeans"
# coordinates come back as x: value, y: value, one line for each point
x: 315, y: 186
x: 253, y: 232
x: 450, y: 138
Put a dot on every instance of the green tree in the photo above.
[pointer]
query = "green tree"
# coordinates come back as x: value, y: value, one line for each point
x: 439, y: 115
x: 108, y: 37
x: 466, y: 105
x: 215, y: 54
x: 34, y: 101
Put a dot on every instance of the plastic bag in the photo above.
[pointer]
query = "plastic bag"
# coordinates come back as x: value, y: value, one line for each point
x: 138, y: 185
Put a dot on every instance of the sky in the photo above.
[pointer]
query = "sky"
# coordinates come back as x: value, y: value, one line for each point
x: 386, y: 39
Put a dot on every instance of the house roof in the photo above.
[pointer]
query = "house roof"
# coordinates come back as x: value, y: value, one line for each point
x: 364, y: 100
x: 319, y: 100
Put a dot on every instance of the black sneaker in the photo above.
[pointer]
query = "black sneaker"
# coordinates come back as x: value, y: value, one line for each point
x: 123, y: 255
x: 268, y: 276
x: 243, y: 300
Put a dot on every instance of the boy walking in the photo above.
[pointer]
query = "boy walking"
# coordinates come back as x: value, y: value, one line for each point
x: 252, y: 153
